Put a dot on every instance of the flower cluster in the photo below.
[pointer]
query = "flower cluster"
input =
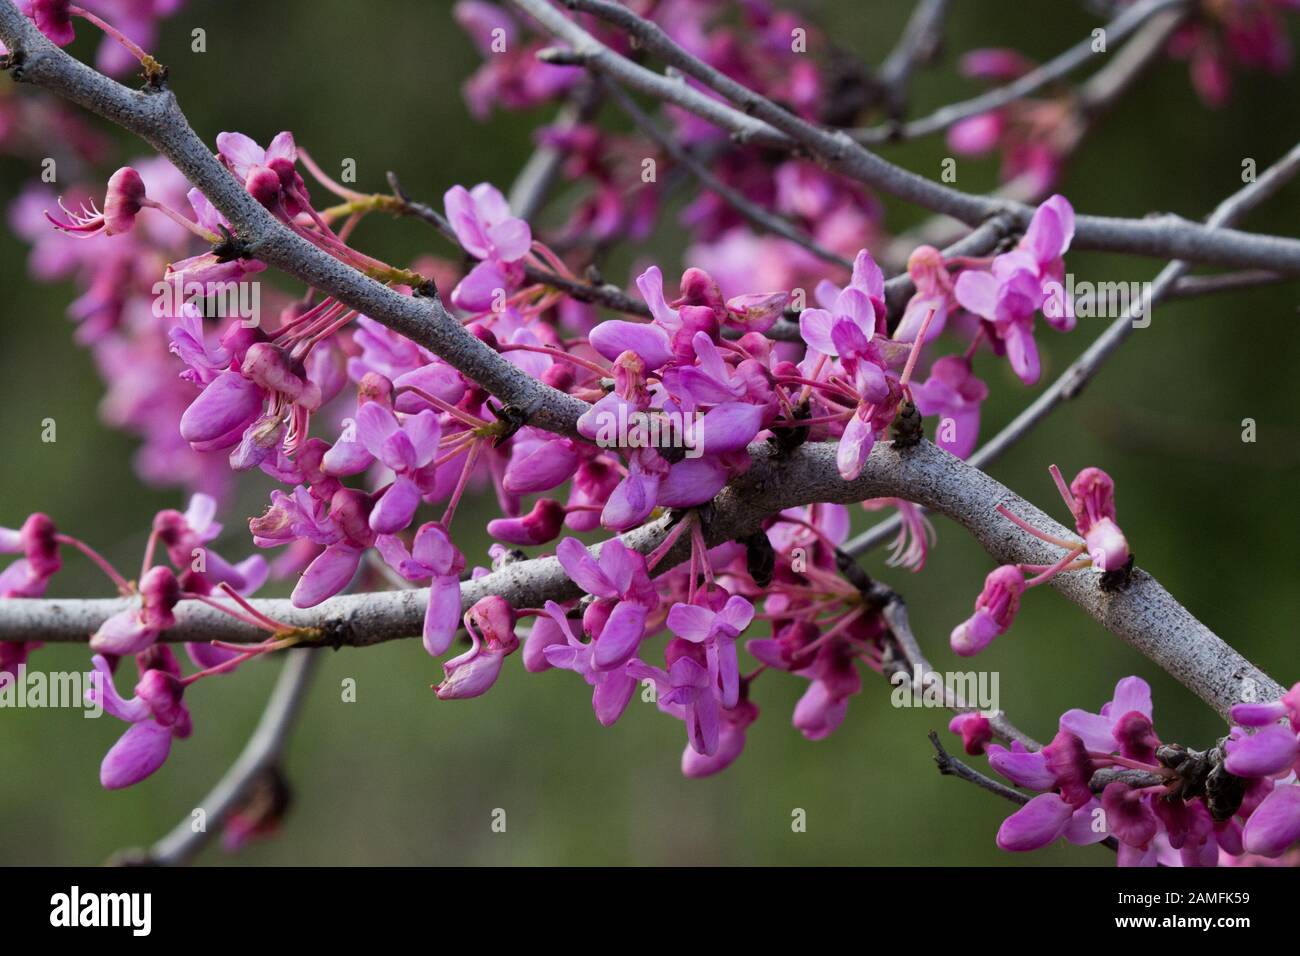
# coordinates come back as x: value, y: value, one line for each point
x: 156, y: 711
x: 1107, y: 775
x: 1091, y: 499
x: 372, y: 441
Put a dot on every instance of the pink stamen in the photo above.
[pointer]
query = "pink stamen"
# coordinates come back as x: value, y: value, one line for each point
x: 1053, y: 570
x: 666, y: 545
x: 555, y: 353
x: 831, y: 634
x: 915, y: 353
x: 337, y: 189
x: 1024, y: 525
x: 123, y: 585
x: 1063, y: 488
x: 808, y: 422
x: 470, y: 461
x: 473, y: 421
x: 174, y: 216
x: 243, y: 602
x: 149, y: 547
x: 816, y: 374
x: 112, y: 31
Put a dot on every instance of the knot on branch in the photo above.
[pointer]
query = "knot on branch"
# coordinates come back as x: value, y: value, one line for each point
x: 1118, y: 580
x: 12, y: 63
x: 426, y: 289
x: 231, y: 247
x: 760, y: 557
x: 1202, y: 774
x: 907, y: 429
x: 784, y: 441
x: 510, y: 418
x: 155, y: 75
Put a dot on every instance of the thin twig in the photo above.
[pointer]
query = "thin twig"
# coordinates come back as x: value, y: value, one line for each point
x: 262, y: 752
x: 891, y: 606
x: 1056, y: 68
x: 155, y: 116
x: 1086, y: 366
x: 754, y: 118
x: 919, y: 42
x: 753, y: 212
x: 950, y: 766
x: 1095, y: 98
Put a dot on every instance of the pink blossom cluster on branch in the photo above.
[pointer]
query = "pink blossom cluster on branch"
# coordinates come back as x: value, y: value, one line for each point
x: 375, y: 440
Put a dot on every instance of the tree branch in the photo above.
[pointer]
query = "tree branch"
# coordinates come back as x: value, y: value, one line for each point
x: 760, y: 121
x: 912, y: 660
x: 155, y: 117
x: 1143, y: 614
x: 756, y: 214
x: 1058, y: 67
x: 920, y: 40
x: 1072, y: 381
x: 261, y: 753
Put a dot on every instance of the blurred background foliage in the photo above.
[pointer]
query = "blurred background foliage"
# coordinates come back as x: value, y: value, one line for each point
x: 398, y: 777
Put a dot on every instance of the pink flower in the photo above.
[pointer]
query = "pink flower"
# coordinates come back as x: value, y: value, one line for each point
x: 716, y: 630
x: 408, y: 446
x: 268, y: 174
x: 685, y: 691
x: 540, y: 525
x: 974, y: 729
x: 54, y: 19
x: 346, y: 533
x: 625, y: 596
x: 611, y: 688
x: 934, y: 292
x: 1020, y: 282
x: 1110, y: 730
x: 825, y: 703
x: 156, y: 715
x: 1275, y: 824
x: 122, y: 203
x: 1092, y: 501
x: 432, y: 557
x: 37, y: 541
x: 133, y: 630
x: 1274, y: 748
x: 474, y: 672
x: 995, y: 609
x: 849, y: 317
x: 954, y: 394
x: 1038, y: 823
x: 731, y: 742
x: 486, y: 230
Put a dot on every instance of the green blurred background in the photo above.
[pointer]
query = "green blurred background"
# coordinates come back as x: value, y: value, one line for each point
x: 399, y: 777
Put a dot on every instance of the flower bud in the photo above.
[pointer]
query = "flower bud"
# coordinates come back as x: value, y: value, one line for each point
x: 975, y: 730
x: 995, y: 609
x: 162, y: 692
x: 123, y: 201
x: 540, y: 525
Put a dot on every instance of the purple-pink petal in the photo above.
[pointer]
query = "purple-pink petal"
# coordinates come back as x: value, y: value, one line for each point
x: 1270, y: 750
x: 138, y: 753
x: 1036, y: 824
x: 1275, y: 824
x: 327, y: 575
x: 620, y: 636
